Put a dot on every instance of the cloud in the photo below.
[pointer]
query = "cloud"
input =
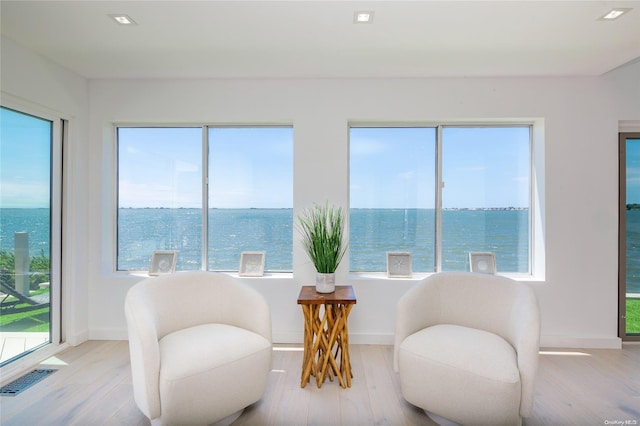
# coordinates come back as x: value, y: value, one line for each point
x: 185, y: 167
x: 155, y: 195
x: 366, y: 147
x: 633, y: 174
x: 24, y: 194
x: 472, y: 169
x: 408, y: 175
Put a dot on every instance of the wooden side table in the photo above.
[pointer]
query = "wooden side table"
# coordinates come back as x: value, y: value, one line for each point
x: 326, y: 335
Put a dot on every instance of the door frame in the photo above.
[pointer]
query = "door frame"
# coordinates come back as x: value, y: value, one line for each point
x: 622, y: 235
x: 59, y: 130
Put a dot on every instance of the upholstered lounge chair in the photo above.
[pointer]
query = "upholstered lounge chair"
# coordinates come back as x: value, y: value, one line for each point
x: 466, y: 348
x: 200, y: 345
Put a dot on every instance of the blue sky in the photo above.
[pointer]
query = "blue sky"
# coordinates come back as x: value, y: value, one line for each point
x: 160, y: 167
x: 633, y: 171
x: 253, y: 167
x: 25, y: 165
x: 390, y: 167
x: 248, y: 167
x: 482, y: 167
x: 486, y: 167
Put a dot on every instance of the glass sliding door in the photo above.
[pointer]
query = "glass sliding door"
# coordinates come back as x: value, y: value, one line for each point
x: 28, y: 208
x: 629, y: 235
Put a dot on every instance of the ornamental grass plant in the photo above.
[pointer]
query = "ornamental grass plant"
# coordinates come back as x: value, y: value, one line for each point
x: 322, y: 229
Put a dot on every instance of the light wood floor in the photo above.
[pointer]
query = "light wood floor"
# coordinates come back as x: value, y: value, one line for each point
x: 93, y: 387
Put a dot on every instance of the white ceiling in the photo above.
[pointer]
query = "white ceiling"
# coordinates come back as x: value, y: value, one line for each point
x: 308, y: 39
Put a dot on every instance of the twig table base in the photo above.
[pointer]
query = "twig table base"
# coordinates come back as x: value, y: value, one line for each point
x: 326, y: 335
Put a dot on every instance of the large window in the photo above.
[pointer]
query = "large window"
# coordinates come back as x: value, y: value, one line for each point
x: 439, y: 193
x: 250, y: 196
x: 247, y: 176
x: 486, y: 196
x: 159, y: 195
x: 392, y: 207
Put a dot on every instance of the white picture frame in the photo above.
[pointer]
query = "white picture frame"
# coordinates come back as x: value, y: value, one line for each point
x: 399, y: 264
x: 163, y: 262
x: 251, y: 264
x: 482, y: 262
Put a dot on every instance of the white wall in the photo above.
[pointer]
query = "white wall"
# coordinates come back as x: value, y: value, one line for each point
x: 625, y: 83
x: 578, y: 295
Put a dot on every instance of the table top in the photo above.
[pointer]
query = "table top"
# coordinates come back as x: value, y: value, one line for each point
x: 343, y: 294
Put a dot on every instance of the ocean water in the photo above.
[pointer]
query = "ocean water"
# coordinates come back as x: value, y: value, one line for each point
x: 231, y: 231
x: 377, y: 231
x: 33, y: 221
x: 373, y: 233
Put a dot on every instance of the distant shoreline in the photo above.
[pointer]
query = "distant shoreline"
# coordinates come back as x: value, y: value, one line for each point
x: 352, y: 208
x: 633, y: 207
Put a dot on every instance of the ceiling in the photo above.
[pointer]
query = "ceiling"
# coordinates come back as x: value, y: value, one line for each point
x: 318, y: 39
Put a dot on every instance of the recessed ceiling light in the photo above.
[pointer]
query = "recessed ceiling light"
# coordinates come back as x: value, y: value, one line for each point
x: 363, y: 17
x: 123, y: 19
x: 614, y: 14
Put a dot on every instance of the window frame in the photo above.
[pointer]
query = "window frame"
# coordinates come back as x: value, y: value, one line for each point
x: 623, y: 136
x: 205, y: 128
x: 59, y: 140
x: 536, y: 189
x: 205, y: 188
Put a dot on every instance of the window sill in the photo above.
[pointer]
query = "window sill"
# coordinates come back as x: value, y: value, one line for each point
x: 145, y: 274
x: 364, y: 276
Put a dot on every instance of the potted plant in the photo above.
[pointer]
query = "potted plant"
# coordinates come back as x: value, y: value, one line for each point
x: 322, y: 229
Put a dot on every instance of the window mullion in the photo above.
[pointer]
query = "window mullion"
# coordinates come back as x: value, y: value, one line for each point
x: 205, y: 198
x: 438, y: 194
x: 532, y: 204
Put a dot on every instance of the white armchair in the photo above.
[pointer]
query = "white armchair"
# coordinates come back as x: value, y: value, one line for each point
x: 200, y: 345
x: 466, y: 347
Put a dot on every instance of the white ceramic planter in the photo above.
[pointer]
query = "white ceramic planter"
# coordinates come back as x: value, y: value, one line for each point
x: 325, y: 283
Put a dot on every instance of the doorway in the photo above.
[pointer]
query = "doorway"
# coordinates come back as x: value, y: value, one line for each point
x: 629, y: 237
x: 30, y: 173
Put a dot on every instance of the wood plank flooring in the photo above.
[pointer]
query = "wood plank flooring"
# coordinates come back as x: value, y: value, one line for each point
x: 93, y: 387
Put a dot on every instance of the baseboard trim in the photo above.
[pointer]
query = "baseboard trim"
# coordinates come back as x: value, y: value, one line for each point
x: 557, y: 341
x: 371, y: 339
x: 287, y: 338
x: 108, y: 334
x: 546, y: 341
x: 76, y: 339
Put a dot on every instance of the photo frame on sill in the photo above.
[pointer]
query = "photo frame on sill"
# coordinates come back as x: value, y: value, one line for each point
x: 399, y: 265
x: 251, y: 264
x: 483, y: 262
x: 163, y: 262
